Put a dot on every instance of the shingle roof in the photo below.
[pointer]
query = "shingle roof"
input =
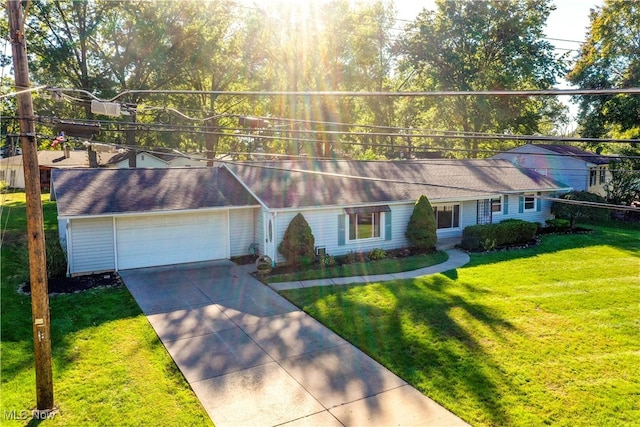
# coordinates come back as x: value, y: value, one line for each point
x: 576, y: 152
x: 56, y: 159
x: 81, y: 192
x: 283, y: 185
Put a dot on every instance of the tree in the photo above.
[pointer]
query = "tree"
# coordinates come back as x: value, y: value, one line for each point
x: 624, y: 186
x: 421, y: 229
x: 574, y: 211
x: 610, y: 59
x: 298, y: 243
x: 483, y: 45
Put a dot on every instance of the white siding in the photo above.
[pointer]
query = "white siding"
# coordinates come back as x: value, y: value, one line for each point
x: 91, y: 245
x: 324, y: 225
x: 241, y: 230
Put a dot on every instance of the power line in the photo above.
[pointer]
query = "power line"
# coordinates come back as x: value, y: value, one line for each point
x: 527, y: 92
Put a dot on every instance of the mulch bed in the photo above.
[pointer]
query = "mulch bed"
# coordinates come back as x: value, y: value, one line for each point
x: 71, y: 285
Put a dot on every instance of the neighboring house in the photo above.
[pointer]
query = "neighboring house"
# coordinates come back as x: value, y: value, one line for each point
x: 579, y: 169
x: 146, y: 159
x: 11, y: 171
x: 11, y: 168
x: 129, y: 218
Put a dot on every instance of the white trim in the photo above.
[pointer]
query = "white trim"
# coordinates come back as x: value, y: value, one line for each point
x: 115, y: 243
x: 347, y: 230
x: 533, y: 196
x: 460, y: 207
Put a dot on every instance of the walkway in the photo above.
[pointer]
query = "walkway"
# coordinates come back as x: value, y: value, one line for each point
x: 457, y: 258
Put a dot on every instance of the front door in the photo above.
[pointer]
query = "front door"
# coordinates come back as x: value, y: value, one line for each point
x: 269, y: 235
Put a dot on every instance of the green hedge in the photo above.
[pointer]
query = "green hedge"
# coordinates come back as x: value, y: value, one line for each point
x: 490, y: 236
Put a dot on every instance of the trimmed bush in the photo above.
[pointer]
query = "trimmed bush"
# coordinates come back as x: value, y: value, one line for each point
x: 421, y: 229
x: 298, y: 243
x: 491, y: 236
x: 377, y: 254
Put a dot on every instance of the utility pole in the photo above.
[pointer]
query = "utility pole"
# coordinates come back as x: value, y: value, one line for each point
x: 35, y: 223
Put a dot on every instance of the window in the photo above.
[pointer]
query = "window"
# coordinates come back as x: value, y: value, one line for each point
x: 496, y: 205
x: 12, y: 178
x: 603, y: 174
x: 592, y: 177
x: 529, y: 202
x: 364, y: 225
x: 447, y: 216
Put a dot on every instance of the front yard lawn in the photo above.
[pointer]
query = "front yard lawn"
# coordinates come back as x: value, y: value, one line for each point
x: 543, y: 335
x: 109, y: 367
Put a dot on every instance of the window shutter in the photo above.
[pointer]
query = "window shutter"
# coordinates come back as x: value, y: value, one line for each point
x: 505, y: 204
x: 538, y: 203
x: 387, y: 225
x: 341, y: 229
x: 521, y: 205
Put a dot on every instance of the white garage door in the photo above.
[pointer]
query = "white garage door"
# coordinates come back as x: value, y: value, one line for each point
x: 145, y: 241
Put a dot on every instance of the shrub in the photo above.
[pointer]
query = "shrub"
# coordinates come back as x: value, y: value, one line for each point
x: 298, y: 243
x: 377, y: 254
x: 326, y: 260
x: 574, y: 212
x: 491, y: 236
x: 421, y: 229
x: 4, y: 186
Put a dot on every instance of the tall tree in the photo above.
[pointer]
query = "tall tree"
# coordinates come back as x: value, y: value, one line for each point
x: 483, y: 45
x: 610, y: 59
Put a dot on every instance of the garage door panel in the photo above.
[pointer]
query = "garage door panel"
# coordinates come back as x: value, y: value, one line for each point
x: 171, y: 239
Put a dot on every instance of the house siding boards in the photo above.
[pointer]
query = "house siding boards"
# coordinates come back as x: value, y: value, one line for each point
x: 241, y: 227
x: 91, y: 245
x: 564, y: 164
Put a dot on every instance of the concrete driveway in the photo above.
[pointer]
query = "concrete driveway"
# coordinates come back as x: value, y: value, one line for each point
x: 253, y: 358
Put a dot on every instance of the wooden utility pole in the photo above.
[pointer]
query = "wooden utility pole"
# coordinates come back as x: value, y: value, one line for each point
x: 35, y: 223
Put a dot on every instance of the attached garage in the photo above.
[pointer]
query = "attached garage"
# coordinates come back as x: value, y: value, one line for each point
x: 145, y: 241
x: 120, y: 219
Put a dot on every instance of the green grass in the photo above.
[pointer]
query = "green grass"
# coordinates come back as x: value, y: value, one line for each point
x: 109, y: 368
x: 385, y: 266
x: 544, y: 335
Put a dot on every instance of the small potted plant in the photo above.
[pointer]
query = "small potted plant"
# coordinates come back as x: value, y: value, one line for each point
x: 264, y: 264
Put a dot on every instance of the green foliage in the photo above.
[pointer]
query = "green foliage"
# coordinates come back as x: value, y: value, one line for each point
x: 483, y: 45
x: 56, y: 258
x: 327, y: 260
x: 421, y: 229
x: 624, y: 185
x: 574, y: 212
x: 491, y: 236
x: 609, y: 59
x: 4, y: 185
x: 377, y: 254
x: 298, y: 243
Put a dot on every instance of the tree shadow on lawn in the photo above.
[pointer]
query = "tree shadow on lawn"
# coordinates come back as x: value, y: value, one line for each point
x: 70, y: 314
x: 420, y: 329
